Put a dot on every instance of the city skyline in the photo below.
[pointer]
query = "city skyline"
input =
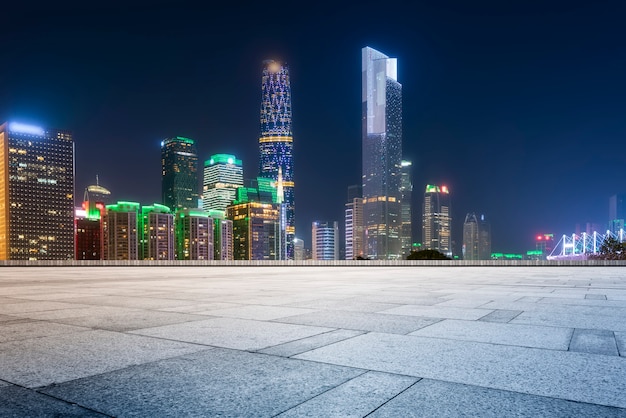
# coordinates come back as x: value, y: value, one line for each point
x: 518, y: 123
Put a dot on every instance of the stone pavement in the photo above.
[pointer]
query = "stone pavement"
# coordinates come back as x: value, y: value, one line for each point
x: 313, y: 341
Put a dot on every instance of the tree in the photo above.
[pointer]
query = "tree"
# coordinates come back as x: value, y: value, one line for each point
x: 427, y: 255
x: 611, y: 249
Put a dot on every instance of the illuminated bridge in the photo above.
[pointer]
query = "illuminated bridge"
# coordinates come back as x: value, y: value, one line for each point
x: 579, y: 246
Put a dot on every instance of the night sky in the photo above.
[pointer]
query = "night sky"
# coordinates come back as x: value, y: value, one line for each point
x: 519, y: 107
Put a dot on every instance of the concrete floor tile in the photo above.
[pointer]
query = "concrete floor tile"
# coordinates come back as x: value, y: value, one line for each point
x: 19, y: 402
x: 242, y: 334
x: 620, y: 339
x: 130, y: 320
x: 439, y: 312
x: 500, y: 315
x: 594, y: 341
x: 305, y: 344
x: 498, y: 333
x: 259, y: 312
x: 35, y: 329
x: 436, y: 399
x: 218, y: 382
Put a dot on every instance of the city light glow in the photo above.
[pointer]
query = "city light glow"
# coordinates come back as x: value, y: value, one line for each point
x: 26, y: 129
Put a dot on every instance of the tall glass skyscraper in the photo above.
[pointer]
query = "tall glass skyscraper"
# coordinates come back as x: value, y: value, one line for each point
x: 437, y: 220
x: 476, y: 238
x: 36, y: 193
x: 223, y: 174
x: 179, y: 163
x: 406, y: 188
x: 381, y: 154
x: 276, y: 138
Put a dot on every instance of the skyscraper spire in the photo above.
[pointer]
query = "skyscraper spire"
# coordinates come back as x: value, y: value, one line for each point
x: 280, y: 195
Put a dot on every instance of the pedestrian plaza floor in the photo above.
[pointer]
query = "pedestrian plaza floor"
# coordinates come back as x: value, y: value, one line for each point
x: 313, y: 341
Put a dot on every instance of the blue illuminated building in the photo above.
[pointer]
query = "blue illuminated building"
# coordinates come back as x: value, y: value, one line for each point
x: 276, y: 138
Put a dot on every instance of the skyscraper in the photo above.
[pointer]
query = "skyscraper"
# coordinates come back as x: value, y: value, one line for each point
x: 617, y: 212
x: 476, y: 238
x: 194, y: 235
x: 276, y: 138
x: 157, y: 233
x: 179, y: 163
x: 223, y: 174
x: 36, y: 193
x: 381, y: 154
x: 437, y: 220
x: 121, y: 233
x: 406, y: 188
x: 354, y: 223
x: 325, y: 236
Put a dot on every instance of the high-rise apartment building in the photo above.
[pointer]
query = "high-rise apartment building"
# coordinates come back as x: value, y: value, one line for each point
x: 194, y: 235
x: 406, y: 189
x: 223, y: 174
x: 222, y: 235
x: 353, y: 224
x: 255, y: 230
x: 157, y: 233
x: 617, y: 212
x: 476, y: 238
x: 325, y: 240
x: 437, y: 220
x: 121, y: 231
x: 276, y: 138
x: 381, y: 155
x: 179, y: 182
x: 36, y: 193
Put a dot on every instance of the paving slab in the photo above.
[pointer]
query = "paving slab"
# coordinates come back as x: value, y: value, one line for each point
x: 559, y: 374
x: 500, y: 315
x: 594, y: 341
x: 306, y: 344
x: 595, y: 296
x: 20, y: 402
x: 259, y: 312
x: 131, y: 302
x: 435, y: 399
x: 218, y: 382
x: 355, y: 398
x: 620, y: 339
x: 496, y: 333
x: 439, y: 312
x: 59, y: 358
x: 36, y: 306
x: 35, y: 329
x: 361, y: 321
x: 349, y: 304
x: 242, y: 334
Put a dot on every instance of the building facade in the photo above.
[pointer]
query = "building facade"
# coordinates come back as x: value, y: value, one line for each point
x: 222, y: 235
x: 120, y: 226
x: 179, y: 181
x: 36, y: 193
x: 437, y: 220
x: 325, y: 240
x: 194, y: 235
x: 381, y: 155
x: 354, y: 237
x: 157, y: 233
x: 617, y: 213
x: 223, y: 174
x: 476, y: 238
x: 255, y: 230
x: 406, y: 210
x: 276, y: 139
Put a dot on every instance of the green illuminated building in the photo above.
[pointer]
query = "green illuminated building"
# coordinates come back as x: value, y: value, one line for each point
x: 222, y: 235
x: 179, y: 164
x: 157, y: 237
x: 223, y: 174
x: 121, y: 232
x: 194, y: 235
x: 437, y: 220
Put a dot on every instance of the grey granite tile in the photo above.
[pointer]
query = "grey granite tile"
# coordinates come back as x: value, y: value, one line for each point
x: 500, y: 315
x: 26, y: 330
x: 595, y: 296
x: 258, y: 312
x: 242, y: 334
x: 439, y: 312
x: 497, y: 333
x: 218, y: 382
x: 127, y: 320
x: 60, y: 358
x: 559, y: 374
x: 19, y: 402
x: 362, y: 321
x: 88, y: 311
x: 436, y: 399
x: 529, y: 299
x: 309, y: 343
x: 594, y: 341
x: 200, y: 308
x: 355, y: 398
x: 36, y: 306
x: 349, y: 304
x: 131, y: 301
x: 620, y: 339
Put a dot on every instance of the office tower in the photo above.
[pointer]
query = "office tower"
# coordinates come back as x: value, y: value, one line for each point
x: 157, y: 233
x: 437, y: 220
x: 36, y: 193
x: 121, y: 233
x: 276, y: 138
x: 223, y: 174
x: 255, y: 230
x: 617, y: 213
x: 298, y: 249
x: 222, y: 235
x: 353, y: 223
x: 382, y: 155
x: 476, y: 238
x: 179, y: 182
x: 406, y: 189
x: 194, y: 235
x: 89, y: 236
x: 325, y: 239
